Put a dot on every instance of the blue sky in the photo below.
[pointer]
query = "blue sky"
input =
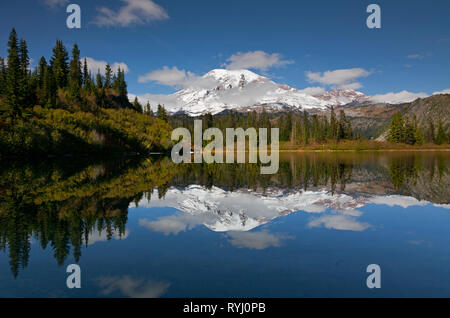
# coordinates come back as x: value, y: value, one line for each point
x: 410, y: 52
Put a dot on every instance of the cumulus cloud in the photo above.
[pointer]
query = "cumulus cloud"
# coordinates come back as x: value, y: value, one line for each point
x: 256, y: 240
x: 132, y: 287
x: 396, y: 98
x: 55, y: 3
x: 95, y: 237
x: 343, y: 78
x: 169, y: 76
x: 338, y: 222
x: 397, y: 200
x: 94, y: 66
x: 258, y: 60
x: 316, y: 90
x: 133, y: 12
x: 445, y: 91
x: 174, y: 224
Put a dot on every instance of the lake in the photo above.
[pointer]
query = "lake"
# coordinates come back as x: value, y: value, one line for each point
x: 146, y: 227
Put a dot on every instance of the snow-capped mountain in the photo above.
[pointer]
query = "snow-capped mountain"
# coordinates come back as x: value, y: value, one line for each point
x: 243, y: 90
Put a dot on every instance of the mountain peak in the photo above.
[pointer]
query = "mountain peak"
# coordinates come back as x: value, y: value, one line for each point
x: 243, y: 90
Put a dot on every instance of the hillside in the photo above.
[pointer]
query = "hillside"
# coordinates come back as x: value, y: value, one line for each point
x: 435, y: 108
x: 372, y: 120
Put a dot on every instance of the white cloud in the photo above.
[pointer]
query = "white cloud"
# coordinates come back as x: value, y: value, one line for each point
x: 351, y: 86
x: 174, y: 224
x: 445, y: 91
x: 131, y: 287
x: 256, y: 240
x: 414, y: 57
x: 95, y: 237
x: 94, y: 66
x: 169, y: 76
x: 396, y: 98
x: 338, y: 222
x: 316, y: 90
x: 258, y: 60
x: 133, y: 12
x: 344, y: 78
x: 55, y: 3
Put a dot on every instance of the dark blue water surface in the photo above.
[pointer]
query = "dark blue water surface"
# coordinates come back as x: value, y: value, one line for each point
x: 197, y: 236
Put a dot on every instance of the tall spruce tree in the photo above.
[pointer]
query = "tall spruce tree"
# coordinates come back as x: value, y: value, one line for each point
x: 397, y: 129
x: 2, y: 76
x: 161, y: 113
x: 441, y: 136
x: 75, y: 74
x: 85, y: 73
x: 108, y: 76
x: 13, y: 107
x: 59, y: 64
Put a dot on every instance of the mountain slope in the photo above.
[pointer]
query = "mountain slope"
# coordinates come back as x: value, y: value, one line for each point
x: 243, y: 90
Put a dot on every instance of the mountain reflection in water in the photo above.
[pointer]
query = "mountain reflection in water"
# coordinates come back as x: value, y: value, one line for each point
x: 65, y: 207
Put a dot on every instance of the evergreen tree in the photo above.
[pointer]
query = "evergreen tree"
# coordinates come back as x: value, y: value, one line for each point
x: 137, y: 106
x: 418, y: 137
x: 2, y: 76
x: 50, y: 88
x: 14, y: 99
x: 161, y: 113
x: 108, y: 76
x: 99, y: 80
x: 396, y: 129
x: 306, y: 128
x: 429, y: 137
x: 148, y: 109
x: 59, y: 64
x: 333, y: 125
x: 86, y: 75
x: 441, y: 136
x: 409, y: 132
x: 24, y: 58
x: 75, y: 74
x: 344, y: 127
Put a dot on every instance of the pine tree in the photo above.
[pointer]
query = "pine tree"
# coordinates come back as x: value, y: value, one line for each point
x: 409, y: 132
x: 441, y: 136
x: 430, y: 132
x: 75, y: 74
x: 99, y: 80
x: 333, y: 125
x: 137, y: 106
x: 50, y: 88
x: 396, y: 129
x: 24, y: 58
x: 148, y: 109
x: 86, y: 75
x: 59, y: 64
x: 306, y: 128
x: 108, y: 76
x: 14, y: 99
x: 418, y: 137
x: 2, y: 76
x: 161, y: 113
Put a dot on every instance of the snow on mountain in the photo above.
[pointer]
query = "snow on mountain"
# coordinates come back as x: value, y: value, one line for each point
x: 244, y: 210
x: 221, y: 89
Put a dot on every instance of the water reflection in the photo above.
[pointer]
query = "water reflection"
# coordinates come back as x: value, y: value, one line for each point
x: 64, y: 207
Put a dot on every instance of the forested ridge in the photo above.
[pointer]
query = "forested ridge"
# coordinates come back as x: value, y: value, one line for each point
x: 60, y: 107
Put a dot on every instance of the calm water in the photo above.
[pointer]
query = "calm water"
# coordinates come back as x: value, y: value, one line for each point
x: 150, y: 228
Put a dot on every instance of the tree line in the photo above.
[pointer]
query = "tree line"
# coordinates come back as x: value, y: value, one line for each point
x: 47, y: 85
x: 294, y: 127
x: 403, y: 130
